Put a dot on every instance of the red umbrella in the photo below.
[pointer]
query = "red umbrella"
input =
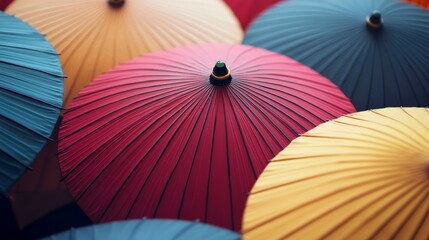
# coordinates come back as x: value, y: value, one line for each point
x: 4, y: 4
x: 153, y: 137
x: 247, y: 10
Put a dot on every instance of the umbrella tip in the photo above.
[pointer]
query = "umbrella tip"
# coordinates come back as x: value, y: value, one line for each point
x: 116, y: 3
x: 374, y: 20
x: 220, y: 75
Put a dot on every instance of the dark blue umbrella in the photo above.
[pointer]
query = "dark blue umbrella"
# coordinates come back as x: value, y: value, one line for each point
x: 376, y: 51
x: 31, y: 88
x: 148, y: 229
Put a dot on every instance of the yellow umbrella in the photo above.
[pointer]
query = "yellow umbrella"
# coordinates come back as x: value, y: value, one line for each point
x: 361, y: 176
x: 95, y: 35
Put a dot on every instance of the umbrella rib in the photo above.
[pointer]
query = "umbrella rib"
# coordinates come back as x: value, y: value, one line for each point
x: 421, y: 225
x: 296, y: 96
x: 358, y: 211
x: 285, y: 184
x: 305, y: 93
x: 147, y: 49
x: 35, y: 69
x: 407, y: 126
x: 136, y: 228
x: 194, y: 156
x: 31, y: 98
x: 153, y: 100
x: 210, y: 168
x: 279, y: 118
x: 16, y: 160
x: 64, y: 123
x: 355, y: 213
x: 412, y: 67
x: 407, y: 79
x: 181, y: 153
x: 262, y: 108
x: 319, y: 198
x: 187, y: 86
x: 410, y: 215
x: 417, y: 119
x: 205, y: 34
x: 174, y: 92
x: 74, y: 131
x: 387, y: 137
x: 255, y: 172
x: 184, y: 108
x: 27, y: 48
x: 228, y: 159
x: 184, y: 230
x: 67, y: 95
x: 63, y: 32
x: 123, y: 150
x: 379, y: 228
x: 97, y: 49
x: 78, y: 40
x: 27, y: 128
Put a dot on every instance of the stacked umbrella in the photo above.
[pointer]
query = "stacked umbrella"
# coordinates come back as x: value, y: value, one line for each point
x: 184, y: 133
x: 95, y: 40
x: 180, y: 134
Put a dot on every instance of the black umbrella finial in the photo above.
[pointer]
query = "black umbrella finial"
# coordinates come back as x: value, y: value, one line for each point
x: 220, y: 75
x: 374, y: 20
x: 116, y: 3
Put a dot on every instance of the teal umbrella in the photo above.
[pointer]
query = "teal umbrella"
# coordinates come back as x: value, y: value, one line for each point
x: 376, y: 51
x: 31, y: 88
x: 148, y: 229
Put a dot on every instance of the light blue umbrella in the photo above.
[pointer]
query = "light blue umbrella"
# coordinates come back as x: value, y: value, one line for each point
x: 376, y: 51
x: 148, y: 229
x: 31, y: 89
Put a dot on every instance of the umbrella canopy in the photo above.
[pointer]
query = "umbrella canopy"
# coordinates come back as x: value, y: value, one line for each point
x: 247, y: 10
x: 376, y: 51
x: 4, y: 4
x: 148, y: 229
x: 95, y: 35
x: 31, y: 87
x: 155, y: 138
x: 361, y: 176
x: 422, y: 3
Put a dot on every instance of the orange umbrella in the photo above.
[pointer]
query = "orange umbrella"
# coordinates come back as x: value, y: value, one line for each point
x: 95, y: 35
x: 362, y: 176
x: 422, y: 3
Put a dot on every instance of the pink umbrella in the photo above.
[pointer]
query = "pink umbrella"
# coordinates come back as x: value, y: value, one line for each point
x: 168, y: 135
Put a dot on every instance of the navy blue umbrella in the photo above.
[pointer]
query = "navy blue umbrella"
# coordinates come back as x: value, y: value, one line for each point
x: 31, y: 88
x: 376, y: 51
x: 147, y: 229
